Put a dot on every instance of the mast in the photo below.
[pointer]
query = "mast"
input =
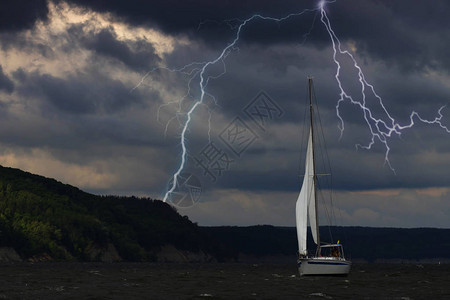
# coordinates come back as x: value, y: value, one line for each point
x: 311, y: 113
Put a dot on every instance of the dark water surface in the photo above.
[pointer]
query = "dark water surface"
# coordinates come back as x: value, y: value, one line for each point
x: 218, y: 281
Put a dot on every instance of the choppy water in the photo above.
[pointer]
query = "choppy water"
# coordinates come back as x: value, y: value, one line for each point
x: 218, y: 281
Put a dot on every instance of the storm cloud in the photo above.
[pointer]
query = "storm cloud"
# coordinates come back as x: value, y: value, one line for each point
x: 404, y: 33
x: 94, y: 93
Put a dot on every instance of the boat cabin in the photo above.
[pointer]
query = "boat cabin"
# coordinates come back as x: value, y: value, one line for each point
x: 332, y: 250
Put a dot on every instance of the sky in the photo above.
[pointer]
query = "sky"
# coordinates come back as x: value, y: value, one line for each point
x: 95, y: 94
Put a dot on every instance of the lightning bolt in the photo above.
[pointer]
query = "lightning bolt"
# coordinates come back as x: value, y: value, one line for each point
x: 204, y: 80
x: 380, y: 130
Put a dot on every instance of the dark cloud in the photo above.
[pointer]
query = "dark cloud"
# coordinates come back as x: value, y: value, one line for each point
x: 204, y: 19
x: 410, y: 34
x: 20, y: 40
x: 6, y: 84
x: 175, y: 16
x: 21, y: 14
x: 80, y: 93
x: 136, y: 55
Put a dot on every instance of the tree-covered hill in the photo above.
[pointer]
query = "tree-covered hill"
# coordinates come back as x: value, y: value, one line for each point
x: 41, y: 216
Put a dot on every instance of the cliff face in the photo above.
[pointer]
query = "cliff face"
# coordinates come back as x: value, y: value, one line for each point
x: 8, y: 254
x: 168, y: 253
x: 103, y: 254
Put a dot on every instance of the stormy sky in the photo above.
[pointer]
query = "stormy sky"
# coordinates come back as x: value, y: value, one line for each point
x: 94, y: 93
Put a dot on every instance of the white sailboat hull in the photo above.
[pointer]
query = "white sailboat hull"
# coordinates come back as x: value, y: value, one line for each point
x: 323, y: 266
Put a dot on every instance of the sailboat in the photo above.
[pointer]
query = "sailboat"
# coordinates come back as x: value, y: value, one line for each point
x: 328, y: 258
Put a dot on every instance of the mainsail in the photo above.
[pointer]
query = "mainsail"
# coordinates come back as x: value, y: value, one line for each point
x: 306, y: 201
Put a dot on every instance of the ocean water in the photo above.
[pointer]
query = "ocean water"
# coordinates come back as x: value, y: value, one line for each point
x: 218, y: 281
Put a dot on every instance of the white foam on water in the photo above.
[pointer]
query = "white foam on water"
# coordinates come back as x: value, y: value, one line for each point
x: 321, y: 295
x: 96, y: 272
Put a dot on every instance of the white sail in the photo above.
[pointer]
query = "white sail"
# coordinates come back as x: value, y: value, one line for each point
x: 305, y: 198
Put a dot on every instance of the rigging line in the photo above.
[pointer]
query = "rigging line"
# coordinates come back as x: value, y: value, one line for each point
x: 327, y: 212
x: 342, y: 227
x: 332, y: 215
x: 302, y: 139
x: 326, y: 166
x: 323, y: 198
x: 322, y: 136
